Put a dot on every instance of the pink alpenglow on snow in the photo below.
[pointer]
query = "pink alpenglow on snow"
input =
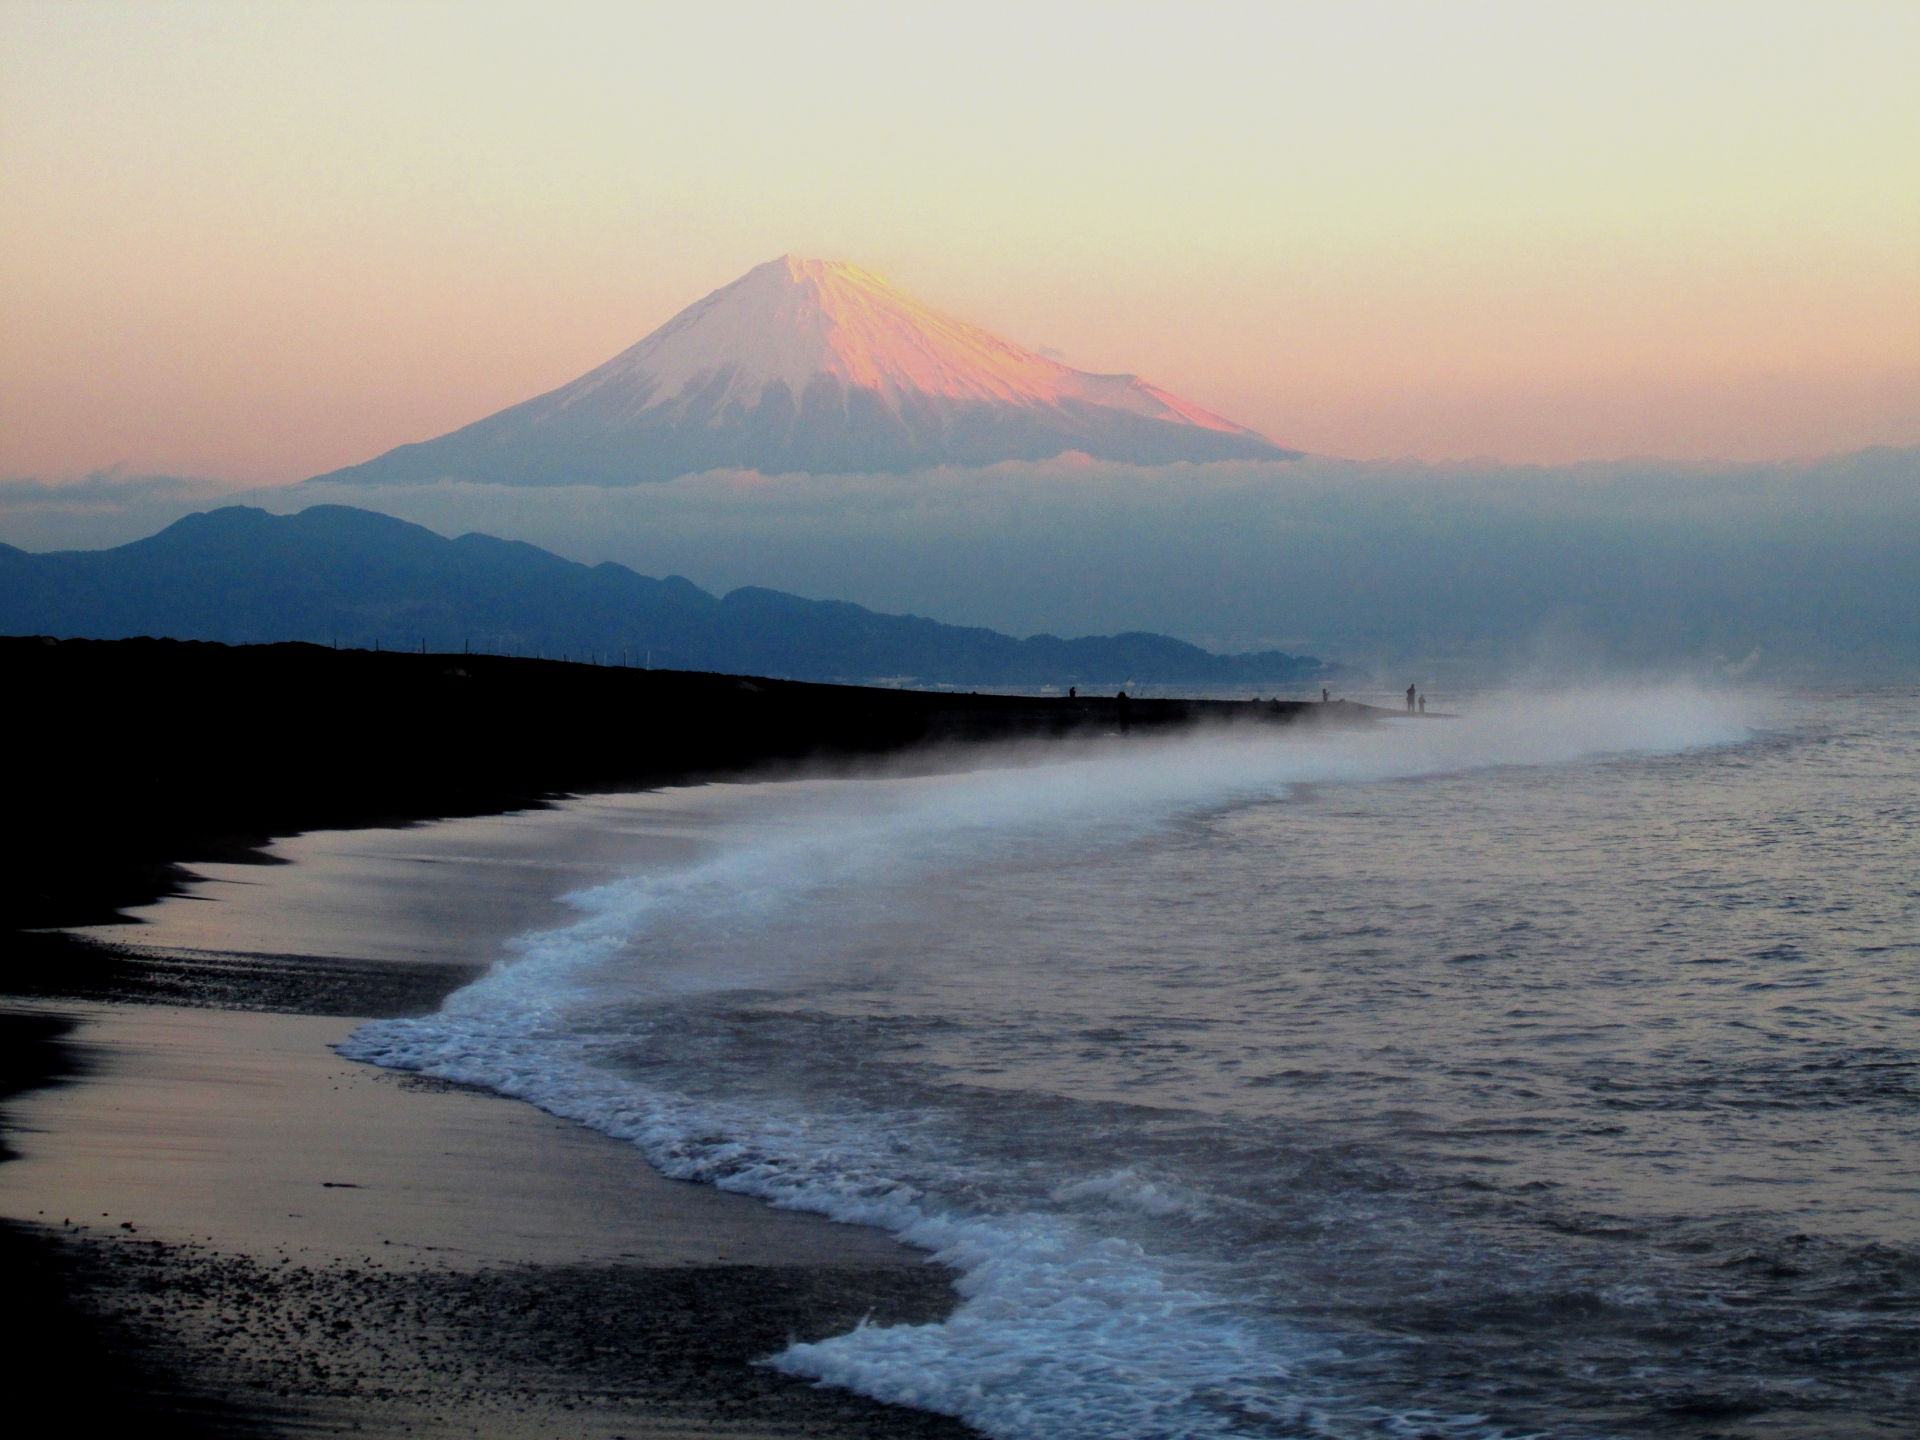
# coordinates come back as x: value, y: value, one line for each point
x: 811, y: 365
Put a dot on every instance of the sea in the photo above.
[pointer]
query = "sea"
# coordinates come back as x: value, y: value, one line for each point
x: 1548, y: 1070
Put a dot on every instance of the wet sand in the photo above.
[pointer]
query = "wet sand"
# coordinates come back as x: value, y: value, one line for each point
x: 446, y: 893
x: 245, y: 1132
x: 283, y: 1241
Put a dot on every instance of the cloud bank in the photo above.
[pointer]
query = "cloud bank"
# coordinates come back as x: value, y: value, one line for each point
x: 1802, y: 571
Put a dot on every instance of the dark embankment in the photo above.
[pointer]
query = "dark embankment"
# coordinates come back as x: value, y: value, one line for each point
x: 134, y: 756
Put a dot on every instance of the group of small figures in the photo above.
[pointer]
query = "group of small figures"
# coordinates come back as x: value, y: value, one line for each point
x: 1416, y: 703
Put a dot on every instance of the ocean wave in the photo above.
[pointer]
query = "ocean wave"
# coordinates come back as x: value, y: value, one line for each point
x: 1069, y: 1326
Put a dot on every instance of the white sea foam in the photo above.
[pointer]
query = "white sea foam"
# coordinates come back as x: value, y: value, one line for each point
x: 1065, y: 1329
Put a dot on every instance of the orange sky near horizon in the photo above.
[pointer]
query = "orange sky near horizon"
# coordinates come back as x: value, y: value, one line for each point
x: 257, y: 243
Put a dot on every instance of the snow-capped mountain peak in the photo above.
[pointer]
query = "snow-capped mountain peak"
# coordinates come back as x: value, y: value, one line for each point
x: 792, y: 320
x: 818, y: 365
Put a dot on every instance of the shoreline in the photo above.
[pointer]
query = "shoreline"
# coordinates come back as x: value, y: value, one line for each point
x: 215, y: 1311
x: 224, y: 1228
x: 231, y: 1230
x: 266, y: 1238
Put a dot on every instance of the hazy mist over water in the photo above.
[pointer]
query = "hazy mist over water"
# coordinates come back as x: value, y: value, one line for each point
x: 1467, y: 572
x: 1552, y: 1071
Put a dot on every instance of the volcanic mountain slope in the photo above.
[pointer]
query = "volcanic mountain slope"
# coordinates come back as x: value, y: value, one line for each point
x: 807, y: 365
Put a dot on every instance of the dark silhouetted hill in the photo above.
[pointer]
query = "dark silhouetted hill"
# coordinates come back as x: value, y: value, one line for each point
x: 336, y: 575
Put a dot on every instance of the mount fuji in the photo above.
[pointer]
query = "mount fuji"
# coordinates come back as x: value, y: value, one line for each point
x: 810, y: 365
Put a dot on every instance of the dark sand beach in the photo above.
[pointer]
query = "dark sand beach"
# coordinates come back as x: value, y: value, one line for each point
x: 262, y: 1232
x: 265, y: 1238
x: 220, y: 1226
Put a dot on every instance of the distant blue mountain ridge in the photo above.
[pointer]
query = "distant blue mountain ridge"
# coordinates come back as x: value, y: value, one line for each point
x: 334, y: 574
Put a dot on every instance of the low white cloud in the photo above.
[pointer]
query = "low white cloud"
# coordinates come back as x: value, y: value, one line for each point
x: 105, y: 508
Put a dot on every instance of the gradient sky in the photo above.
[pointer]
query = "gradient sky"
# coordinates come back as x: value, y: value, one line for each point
x: 259, y: 242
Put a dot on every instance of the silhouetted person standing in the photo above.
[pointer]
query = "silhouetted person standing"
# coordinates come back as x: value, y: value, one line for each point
x: 1323, y: 694
x: 1423, y: 704
x: 1410, y: 690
